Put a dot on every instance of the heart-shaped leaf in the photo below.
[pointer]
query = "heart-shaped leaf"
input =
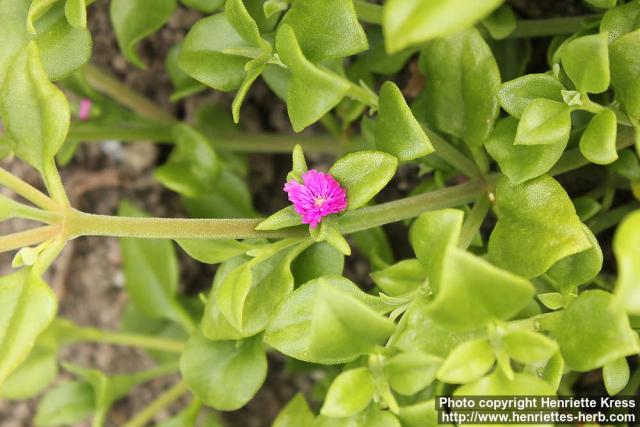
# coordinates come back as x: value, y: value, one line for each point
x: 224, y: 374
x: 541, y: 214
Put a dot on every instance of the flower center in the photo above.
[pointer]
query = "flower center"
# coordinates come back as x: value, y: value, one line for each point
x: 319, y: 201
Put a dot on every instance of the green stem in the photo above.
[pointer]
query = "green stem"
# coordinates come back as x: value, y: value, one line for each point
x: 141, y: 377
x: 27, y: 191
x: 26, y: 238
x: 53, y: 183
x: 29, y: 212
x: 606, y: 220
x: 474, y: 221
x: 165, y: 399
x: 452, y: 155
x: 131, y: 340
x: 549, y: 27
x: 111, y: 87
x: 84, y: 224
x: 237, y: 142
x: 93, y: 132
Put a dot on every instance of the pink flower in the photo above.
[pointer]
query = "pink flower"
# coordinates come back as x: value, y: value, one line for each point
x: 318, y: 196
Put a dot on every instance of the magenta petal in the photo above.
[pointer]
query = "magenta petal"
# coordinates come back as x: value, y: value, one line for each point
x: 319, y: 195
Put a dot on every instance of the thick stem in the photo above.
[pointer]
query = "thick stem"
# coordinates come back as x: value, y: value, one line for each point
x: 126, y: 96
x: 165, y: 399
x: 83, y: 224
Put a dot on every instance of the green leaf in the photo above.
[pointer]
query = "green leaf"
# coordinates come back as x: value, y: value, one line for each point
x: 32, y: 376
x: 586, y: 207
x: 418, y: 329
x: 616, y: 375
x: 586, y: 61
x: 320, y: 259
x: 375, y: 245
x: 249, y: 295
x: 579, y: 268
x: 363, y: 174
x: 34, y: 111
x: 419, y: 414
x: 349, y: 394
x: 76, y: 13
x: 460, y: 279
x: 328, y: 232
x: 467, y: 362
x: 243, y: 23
x: 410, y: 22
x: 620, y: 20
x: 626, y: 246
x: 296, y: 413
x: 150, y: 270
x: 598, y: 141
x: 326, y: 29
x: 625, y: 63
x: 106, y: 390
x: 231, y: 199
x: 627, y: 165
x: 552, y: 300
x: 553, y: 371
x: 299, y: 164
x: 501, y: 22
x: 312, y: 90
x: 397, y: 130
x: 183, y: 84
x: 529, y: 347
x: 593, y: 331
x: 544, y: 122
x: 400, y: 278
x: 541, y: 214
x: 602, y: 4
x: 224, y: 374
x: 521, y: 163
x: 214, y: 325
x: 327, y: 321
x: 206, y: 6
x: 130, y: 29
x: 66, y: 404
x: 517, y: 94
x: 286, y: 217
x: 411, y: 372
x: 497, y: 384
x: 187, y: 417
x: 463, y: 84
x: 63, y: 48
x: 274, y: 7
x: 28, y: 307
x: 377, y: 60
x: 215, y: 251
x: 193, y: 167
x: 207, y: 53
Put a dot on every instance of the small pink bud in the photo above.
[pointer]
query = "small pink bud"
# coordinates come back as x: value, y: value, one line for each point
x: 85, y: 109
x: 319, y: 195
